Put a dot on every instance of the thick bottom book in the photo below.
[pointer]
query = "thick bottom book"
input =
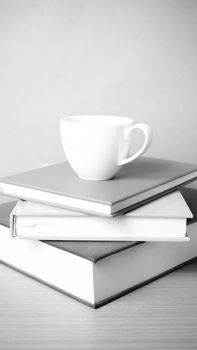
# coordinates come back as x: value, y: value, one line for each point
x: 95, y: 272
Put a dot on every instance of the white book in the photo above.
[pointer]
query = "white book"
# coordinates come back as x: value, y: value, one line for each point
x: 163, y: 219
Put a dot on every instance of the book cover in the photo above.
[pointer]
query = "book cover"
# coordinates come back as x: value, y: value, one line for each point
x: 134, y: 185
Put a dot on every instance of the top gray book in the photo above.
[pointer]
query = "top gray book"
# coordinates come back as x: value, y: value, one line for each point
x: 136, y: 184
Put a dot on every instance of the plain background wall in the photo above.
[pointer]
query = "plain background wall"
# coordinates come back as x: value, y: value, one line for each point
x: 133, y: 58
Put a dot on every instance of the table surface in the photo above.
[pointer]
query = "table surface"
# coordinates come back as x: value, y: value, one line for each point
x: 161, y: 315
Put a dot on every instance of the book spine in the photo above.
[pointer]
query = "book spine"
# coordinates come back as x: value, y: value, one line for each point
x: 13, y: 226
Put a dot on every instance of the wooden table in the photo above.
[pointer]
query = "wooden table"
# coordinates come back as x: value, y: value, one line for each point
x: 161, y: 315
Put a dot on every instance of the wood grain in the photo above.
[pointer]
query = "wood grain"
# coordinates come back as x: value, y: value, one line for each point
x: 161, y: 315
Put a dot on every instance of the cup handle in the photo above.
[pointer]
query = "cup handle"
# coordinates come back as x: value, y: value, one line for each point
x: 147, y: 141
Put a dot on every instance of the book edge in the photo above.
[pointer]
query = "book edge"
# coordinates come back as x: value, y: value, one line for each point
x: 94, y: 260
x: 106, y: 301
x: 117, y: 206
x: 141, y: 284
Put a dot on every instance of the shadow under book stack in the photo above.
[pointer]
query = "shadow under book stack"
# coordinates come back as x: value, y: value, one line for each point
x: 96, y: 241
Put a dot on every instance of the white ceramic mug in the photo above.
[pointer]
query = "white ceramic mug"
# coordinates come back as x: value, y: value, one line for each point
x: 97, y: 146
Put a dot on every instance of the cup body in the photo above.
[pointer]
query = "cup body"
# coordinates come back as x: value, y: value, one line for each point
x: 94, y: 145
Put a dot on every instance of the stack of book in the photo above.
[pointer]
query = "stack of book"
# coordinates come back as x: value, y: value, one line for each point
x: 96, y: 241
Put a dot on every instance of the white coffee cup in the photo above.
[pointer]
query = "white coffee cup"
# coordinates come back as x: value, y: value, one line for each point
x: 96, y: 146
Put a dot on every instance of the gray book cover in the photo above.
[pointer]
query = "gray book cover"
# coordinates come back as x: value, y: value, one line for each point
x: 135, y: 184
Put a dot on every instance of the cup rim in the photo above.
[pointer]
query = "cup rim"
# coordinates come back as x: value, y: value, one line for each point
x: 100, y: 119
